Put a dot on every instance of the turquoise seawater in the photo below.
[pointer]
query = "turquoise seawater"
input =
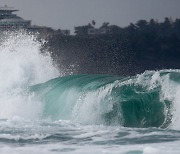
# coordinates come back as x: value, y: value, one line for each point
x: 44, y: 111
x: 98, y: 114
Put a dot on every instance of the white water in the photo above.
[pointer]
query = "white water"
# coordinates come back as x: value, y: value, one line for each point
x: 22, y: 64
x: 170, y: 90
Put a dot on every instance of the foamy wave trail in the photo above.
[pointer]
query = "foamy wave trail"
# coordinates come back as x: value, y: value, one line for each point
x: 22, y: 64
x: 147, y: 100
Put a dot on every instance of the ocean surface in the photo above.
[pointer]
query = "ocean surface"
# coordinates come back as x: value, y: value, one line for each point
x: 44, y: 111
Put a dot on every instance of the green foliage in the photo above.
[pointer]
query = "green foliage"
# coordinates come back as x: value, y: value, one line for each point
x: 129, y: 50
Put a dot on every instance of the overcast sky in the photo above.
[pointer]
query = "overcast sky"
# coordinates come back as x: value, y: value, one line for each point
x: 66, y: 14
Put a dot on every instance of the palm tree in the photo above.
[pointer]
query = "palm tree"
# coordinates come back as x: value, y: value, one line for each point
x: 93, y: 22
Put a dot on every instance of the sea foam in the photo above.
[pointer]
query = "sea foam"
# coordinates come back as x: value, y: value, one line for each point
x: 22, y: 64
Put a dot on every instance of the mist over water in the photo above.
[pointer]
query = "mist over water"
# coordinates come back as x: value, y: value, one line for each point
x: 22, y: 64
x: 41, y: 110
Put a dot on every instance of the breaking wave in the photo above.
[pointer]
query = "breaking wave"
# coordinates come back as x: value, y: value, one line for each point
x: 33, y: 88
x: 146, y: 100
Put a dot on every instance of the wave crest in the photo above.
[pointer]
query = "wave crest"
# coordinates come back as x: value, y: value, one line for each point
x: 145, y: 100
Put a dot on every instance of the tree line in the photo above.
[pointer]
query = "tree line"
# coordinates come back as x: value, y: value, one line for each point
x: 145, y: 45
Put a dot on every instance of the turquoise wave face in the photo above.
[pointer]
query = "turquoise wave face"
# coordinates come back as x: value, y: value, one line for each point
x: 145, y: 100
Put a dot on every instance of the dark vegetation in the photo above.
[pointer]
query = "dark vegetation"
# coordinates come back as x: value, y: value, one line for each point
x: 126, y: 51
